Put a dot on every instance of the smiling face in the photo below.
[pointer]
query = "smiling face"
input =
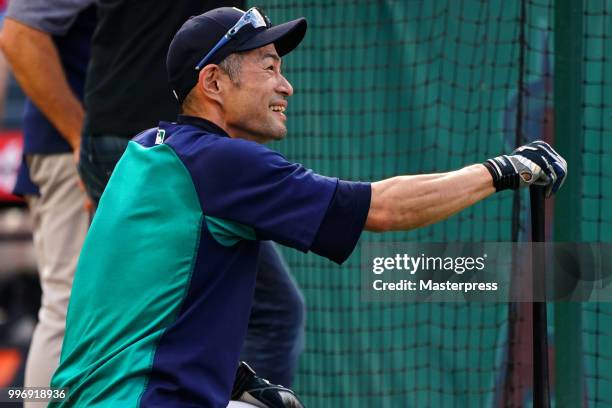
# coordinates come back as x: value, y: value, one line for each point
x: 254, y: 103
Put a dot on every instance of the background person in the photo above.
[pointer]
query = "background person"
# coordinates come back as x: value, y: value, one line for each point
x: 47, y: 46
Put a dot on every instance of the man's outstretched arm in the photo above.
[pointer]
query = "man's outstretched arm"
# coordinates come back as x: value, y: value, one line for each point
x: 408, y: 202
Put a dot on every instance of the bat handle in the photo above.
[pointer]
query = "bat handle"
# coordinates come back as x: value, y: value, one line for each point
x: 541, y: 393
x: 537, y: 195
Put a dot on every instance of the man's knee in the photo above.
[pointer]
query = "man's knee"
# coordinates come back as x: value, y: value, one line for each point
x: 295, y: 310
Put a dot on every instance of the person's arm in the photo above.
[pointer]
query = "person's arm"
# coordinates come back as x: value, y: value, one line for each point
x: 36, y: 65
x: 408, y: 202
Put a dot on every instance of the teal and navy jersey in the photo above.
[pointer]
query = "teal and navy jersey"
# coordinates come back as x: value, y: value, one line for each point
x: 163, y: 289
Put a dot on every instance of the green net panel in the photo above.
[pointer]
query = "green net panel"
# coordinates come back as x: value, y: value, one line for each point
x: 405, y: 87
x: 597, y: 193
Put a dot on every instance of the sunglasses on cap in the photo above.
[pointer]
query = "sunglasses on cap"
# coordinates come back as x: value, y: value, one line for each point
x: 252, y: 16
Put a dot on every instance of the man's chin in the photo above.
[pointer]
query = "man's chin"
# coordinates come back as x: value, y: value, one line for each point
x: 279, y: 134
x: 273, y: 133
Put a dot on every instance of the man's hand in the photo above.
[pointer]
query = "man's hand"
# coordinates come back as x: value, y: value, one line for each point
x: 259, y: 392
x: 88, y: 203
x: 534, y: 163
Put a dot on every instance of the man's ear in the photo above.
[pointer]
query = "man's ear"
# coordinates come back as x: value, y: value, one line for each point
x: 210, y: 82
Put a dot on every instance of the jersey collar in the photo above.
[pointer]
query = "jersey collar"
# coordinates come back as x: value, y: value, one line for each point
x: 202, y: 123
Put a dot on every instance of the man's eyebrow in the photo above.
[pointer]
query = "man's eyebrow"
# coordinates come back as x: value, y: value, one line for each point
x: 273, y: 56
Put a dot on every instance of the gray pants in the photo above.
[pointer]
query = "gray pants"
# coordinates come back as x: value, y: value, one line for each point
x: 60, y: 224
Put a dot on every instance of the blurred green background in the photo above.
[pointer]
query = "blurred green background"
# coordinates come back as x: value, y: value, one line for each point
x: 401, y: 87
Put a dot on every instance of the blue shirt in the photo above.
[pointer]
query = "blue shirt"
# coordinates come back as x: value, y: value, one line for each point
x: 163, y: 289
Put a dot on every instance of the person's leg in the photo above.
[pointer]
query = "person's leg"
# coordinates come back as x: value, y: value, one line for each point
x: 99, y: 155
x: 60, y: 225
x: 276, y: 326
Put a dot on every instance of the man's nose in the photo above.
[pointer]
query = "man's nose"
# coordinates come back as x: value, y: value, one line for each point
x: 284, y: 86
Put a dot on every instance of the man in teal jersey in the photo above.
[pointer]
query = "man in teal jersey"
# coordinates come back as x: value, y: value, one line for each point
x: 164, y: 285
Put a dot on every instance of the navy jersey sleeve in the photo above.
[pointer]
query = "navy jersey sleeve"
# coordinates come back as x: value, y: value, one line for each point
x: 248, y: 183
x: 344, y: 221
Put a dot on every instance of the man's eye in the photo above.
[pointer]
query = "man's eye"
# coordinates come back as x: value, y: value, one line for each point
x: 270, y: 68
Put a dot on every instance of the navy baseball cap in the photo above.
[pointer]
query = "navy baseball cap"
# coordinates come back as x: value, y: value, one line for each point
x: 200, y: 34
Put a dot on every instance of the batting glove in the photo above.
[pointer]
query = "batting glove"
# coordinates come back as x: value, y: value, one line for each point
x: 535, y: 163
x: 259, y: 392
